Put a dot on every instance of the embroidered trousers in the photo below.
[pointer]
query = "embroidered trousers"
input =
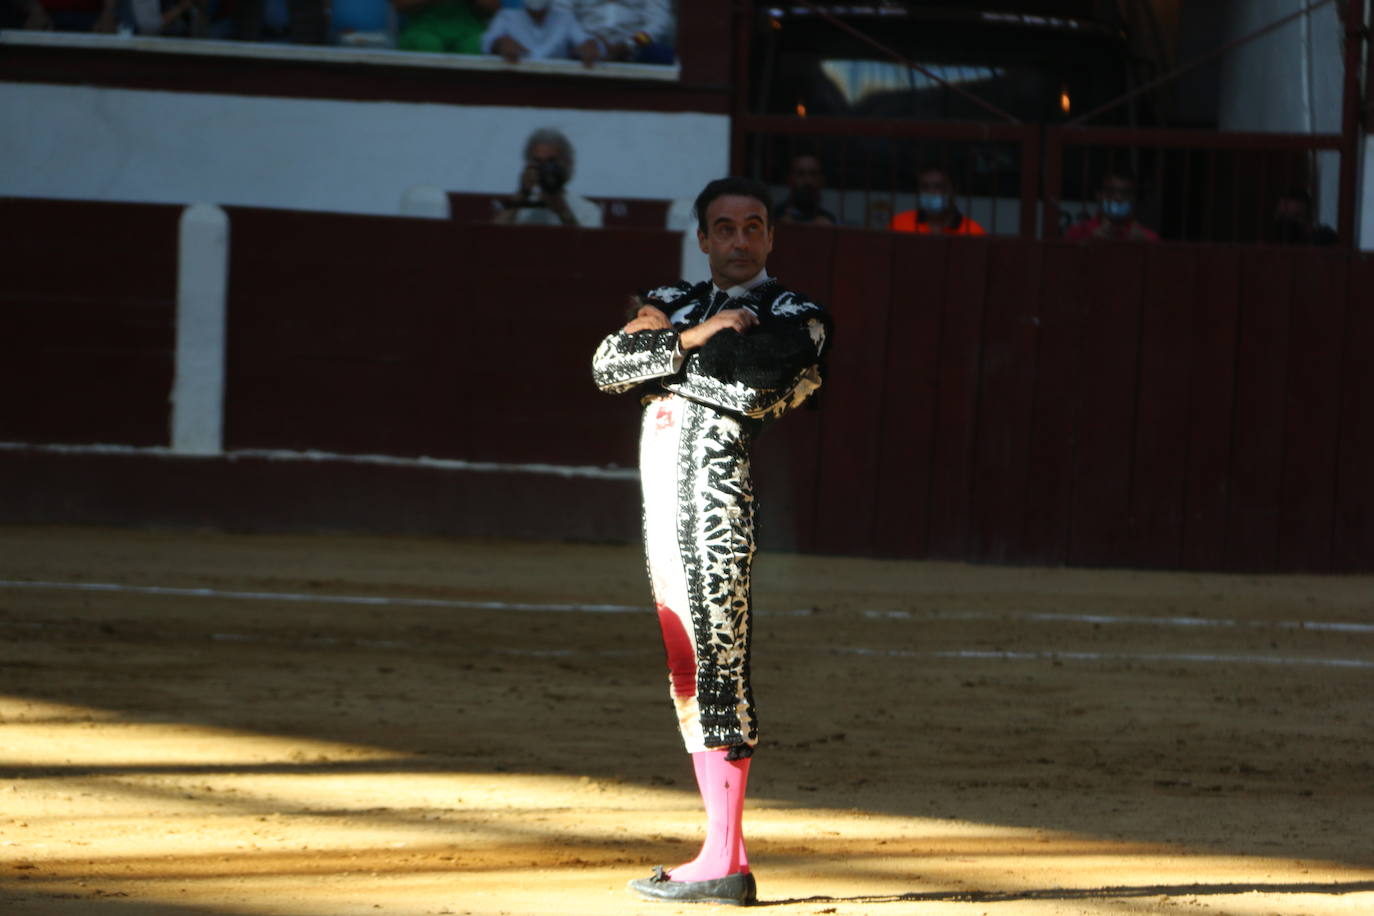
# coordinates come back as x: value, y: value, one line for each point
x: 699, y: 548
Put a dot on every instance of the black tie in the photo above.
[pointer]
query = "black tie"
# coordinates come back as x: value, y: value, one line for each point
x: 717, y: 303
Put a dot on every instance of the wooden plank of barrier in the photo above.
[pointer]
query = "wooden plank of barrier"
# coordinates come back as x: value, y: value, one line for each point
x: 1064, y: 300
x: 1006, y: 386
x: 957, y: 396
x: 909, y: 391
x: 788, y: 456
x: 1354, y: 520
x: 545, y: 299
x: 860, y: 299
x: 1311, y: 412
x: 88, y: 298
x: 347, y: 335
x: 1252, y: 519
x: 1160, y: 454
x: 803, y: 260
x: 340, y: 332
x: 1106, y: 423
x: 786, y: 468
x: 1211, y: 387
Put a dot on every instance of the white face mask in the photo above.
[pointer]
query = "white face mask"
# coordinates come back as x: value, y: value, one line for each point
x: 536, y: 6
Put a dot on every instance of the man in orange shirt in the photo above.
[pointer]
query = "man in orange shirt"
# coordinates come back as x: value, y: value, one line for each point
x: 935, y: 213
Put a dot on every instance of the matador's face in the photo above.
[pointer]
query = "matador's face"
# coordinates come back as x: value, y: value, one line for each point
x: 738, y: 240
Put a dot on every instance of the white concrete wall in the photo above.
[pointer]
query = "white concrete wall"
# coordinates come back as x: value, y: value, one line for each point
x: 354, y: 157
x: 1287, y: 81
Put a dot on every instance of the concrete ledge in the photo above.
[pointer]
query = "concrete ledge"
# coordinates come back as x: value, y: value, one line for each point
x: 384, y: 57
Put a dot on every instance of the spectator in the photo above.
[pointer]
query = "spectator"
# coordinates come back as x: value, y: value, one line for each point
x: 70, y: 15
x: 538, y: 33
x: 803, y: 202
x: 1115, y: 219
x: 543, y: 198
x: 183, y: 19
x: 1293, y: 223
x: 307, y: 21
x: 936, y: 213
x: 636, y: 31
x: 452, y: 26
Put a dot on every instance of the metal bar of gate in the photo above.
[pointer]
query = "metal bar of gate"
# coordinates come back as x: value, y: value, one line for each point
x: 1054, y: 180
x: 1030, y: 180
x: 1355, y: 37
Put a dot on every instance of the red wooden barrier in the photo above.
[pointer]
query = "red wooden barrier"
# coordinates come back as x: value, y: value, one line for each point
x: 988, y: 399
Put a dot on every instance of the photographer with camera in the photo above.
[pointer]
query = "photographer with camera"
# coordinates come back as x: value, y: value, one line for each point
x: 544, y: 198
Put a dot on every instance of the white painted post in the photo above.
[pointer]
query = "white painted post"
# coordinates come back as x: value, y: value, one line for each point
x: 425, y: 201
x: 202, y: 290
x: 694, y: 268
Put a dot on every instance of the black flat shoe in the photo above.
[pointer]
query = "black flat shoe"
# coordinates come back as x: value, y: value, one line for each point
x: 739, y: 889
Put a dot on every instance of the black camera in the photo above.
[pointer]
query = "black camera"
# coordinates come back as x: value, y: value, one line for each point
x: 552, y: 175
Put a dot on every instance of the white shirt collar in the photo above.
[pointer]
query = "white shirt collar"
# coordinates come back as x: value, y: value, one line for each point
x: 739, y: 289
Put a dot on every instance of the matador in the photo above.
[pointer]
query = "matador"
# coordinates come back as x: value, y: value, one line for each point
x: 717, y: 360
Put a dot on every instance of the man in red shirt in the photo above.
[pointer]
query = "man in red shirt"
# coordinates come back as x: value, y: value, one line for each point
x: 1115, y: 219
x: 935, y: 213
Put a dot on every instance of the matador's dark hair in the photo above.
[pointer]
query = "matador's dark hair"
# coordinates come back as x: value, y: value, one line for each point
x: 732, y: 187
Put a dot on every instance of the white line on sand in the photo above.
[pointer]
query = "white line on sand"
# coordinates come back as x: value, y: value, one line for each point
x: 382, y: 601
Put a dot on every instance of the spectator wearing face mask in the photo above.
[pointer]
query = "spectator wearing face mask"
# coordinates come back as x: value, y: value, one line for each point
x: 538, y: 31
x: 936, y: 213
x: 1115, y: 219
x: 803, y: 202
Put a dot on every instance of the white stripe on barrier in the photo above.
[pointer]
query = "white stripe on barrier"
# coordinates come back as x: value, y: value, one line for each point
x: 371, y: 600
x: 586, y: 472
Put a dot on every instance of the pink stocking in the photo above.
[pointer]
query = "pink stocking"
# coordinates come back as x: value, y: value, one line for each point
x: 722, y: 783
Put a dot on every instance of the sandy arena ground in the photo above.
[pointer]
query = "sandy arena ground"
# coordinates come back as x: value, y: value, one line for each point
x: 199, y: 724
